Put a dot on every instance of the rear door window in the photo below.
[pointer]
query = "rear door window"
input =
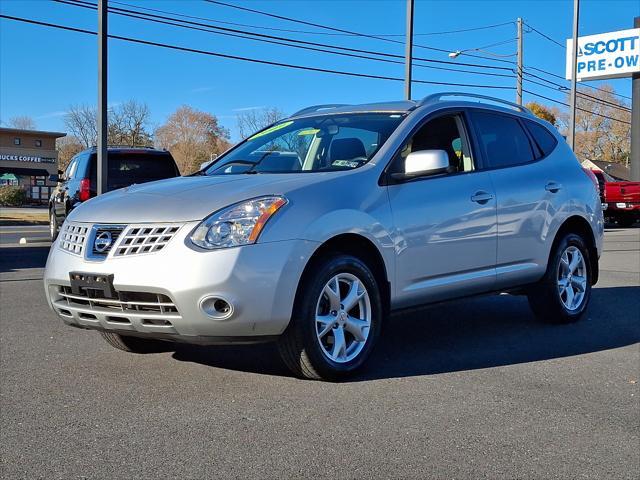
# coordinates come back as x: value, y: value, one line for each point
x: 544, y: 139
x: 502, y: 139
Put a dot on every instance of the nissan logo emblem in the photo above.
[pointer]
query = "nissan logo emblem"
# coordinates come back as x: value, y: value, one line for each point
x: 102, y: 242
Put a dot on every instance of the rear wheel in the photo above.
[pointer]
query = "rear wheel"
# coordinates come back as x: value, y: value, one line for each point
x: 53, y: 226
x: 563, y: 294
x: 134, y: 344
x: 336, y: 320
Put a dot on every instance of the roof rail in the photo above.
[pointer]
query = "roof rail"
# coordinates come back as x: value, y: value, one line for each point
x: 437, y: 96
x: 315, y: 108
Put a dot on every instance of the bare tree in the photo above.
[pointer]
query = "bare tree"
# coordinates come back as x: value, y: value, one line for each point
x: 81, y: 121
x: 128, y: 124
x: 67, y: 147
x: 603, y: 126
x: 23, y: 122
x: 192, y: 136
x: 250, y: 121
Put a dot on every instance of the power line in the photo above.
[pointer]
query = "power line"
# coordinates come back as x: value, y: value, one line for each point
x: 545, y: 36
x: 277, y: 40
x: 247, y: 59
x: 560, y: 76
x: 585, y: 85
x: 581, y: 94
x: 275, y: 29
x: 335, y: 29
x: 581, y: 109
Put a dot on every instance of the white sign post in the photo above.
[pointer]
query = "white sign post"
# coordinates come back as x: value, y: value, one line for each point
x: 607, y: 55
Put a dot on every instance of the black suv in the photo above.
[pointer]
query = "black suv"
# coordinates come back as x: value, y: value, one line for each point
x: 126, y: 166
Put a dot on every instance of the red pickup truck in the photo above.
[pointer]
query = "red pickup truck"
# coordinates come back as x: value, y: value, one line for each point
x: 620, y: 199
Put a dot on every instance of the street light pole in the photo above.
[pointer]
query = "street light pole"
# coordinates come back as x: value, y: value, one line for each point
x: 408, y: 51
x: 571, y: 134
x: 519, y: 74
x: 102, y: 97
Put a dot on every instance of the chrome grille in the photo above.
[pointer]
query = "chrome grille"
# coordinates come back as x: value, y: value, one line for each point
x: 137, y: 239
x: 114, y: 232
x: 127, y: 302
x: 72, y: 237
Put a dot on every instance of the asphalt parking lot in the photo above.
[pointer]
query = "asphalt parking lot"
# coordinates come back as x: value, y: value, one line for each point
x: 472, y: 389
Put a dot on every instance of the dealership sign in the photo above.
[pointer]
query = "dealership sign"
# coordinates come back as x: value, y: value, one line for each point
x: 607, y: 55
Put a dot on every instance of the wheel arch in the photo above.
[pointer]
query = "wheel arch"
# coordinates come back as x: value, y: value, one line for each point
x: 580, y: 226
x: 360, y: 247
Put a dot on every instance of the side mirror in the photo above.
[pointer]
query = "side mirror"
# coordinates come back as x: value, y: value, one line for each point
x: 204, y: 165
x: 423, y: 163
x: 54, y: 178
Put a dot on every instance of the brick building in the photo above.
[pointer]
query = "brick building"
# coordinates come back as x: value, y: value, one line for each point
x: 27, y: 158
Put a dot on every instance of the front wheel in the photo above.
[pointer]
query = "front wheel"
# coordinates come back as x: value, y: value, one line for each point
x: 53, y: 226
x: 563, y: 293
x: 336, y: 320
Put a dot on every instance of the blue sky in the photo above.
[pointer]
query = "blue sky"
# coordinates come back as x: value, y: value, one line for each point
x: 43, y: 71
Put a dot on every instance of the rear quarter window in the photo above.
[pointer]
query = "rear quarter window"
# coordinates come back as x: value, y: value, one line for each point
x: 503, y: 140
x: 544, y: 139
x: 125, y: 168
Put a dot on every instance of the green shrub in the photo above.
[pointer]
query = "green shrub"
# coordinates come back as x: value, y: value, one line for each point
x: 12, y: 196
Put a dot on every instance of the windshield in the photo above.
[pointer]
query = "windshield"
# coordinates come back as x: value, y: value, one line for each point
x: 312, y: 144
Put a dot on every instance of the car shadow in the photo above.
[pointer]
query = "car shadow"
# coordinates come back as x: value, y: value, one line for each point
x: 480, y: 332
x: 19, y: 258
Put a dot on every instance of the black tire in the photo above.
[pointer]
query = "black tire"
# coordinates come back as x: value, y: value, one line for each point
x: 299, y: 345
x: 545, y: 298
x: 135, y: 344
x: 54, y: 228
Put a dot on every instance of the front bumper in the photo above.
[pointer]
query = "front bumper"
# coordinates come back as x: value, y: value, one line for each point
x: 259, y: 281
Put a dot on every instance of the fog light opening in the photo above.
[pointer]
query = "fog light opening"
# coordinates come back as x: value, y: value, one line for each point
x: 222, y: 307
x: 216, y: 307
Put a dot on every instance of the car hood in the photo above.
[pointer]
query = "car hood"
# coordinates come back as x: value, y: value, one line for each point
x: 184, y: 199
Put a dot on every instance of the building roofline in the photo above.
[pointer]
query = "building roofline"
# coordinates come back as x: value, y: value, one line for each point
x: 33, y: 132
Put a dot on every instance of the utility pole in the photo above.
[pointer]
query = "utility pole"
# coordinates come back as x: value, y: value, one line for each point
x: 408, y: 53
x: 635, y: 121
x: 519, y: 74
x: 102, y: 96
x: 571, y: 134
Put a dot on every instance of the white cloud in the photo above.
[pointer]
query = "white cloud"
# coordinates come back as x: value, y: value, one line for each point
x: 244, y: 109
x: 58, y: 113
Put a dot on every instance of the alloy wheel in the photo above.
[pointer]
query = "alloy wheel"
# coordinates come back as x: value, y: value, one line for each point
x: 343, y: 318
x: 572, y: 278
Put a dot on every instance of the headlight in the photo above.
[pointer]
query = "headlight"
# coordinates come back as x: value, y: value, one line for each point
x: 239, y: 224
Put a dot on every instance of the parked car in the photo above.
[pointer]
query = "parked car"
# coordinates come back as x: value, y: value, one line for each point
x: 620, y: 199
x: 311, y: 231
x: 126, y: 166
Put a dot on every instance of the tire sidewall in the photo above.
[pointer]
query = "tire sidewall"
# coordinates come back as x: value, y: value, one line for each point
x: 53, y: 226
x: 306, y: 304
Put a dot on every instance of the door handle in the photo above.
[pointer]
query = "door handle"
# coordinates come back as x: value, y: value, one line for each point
x: 481, y: 197
x: 552, y: 187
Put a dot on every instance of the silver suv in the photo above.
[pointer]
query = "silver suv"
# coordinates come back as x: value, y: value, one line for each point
x: 312, y: 230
